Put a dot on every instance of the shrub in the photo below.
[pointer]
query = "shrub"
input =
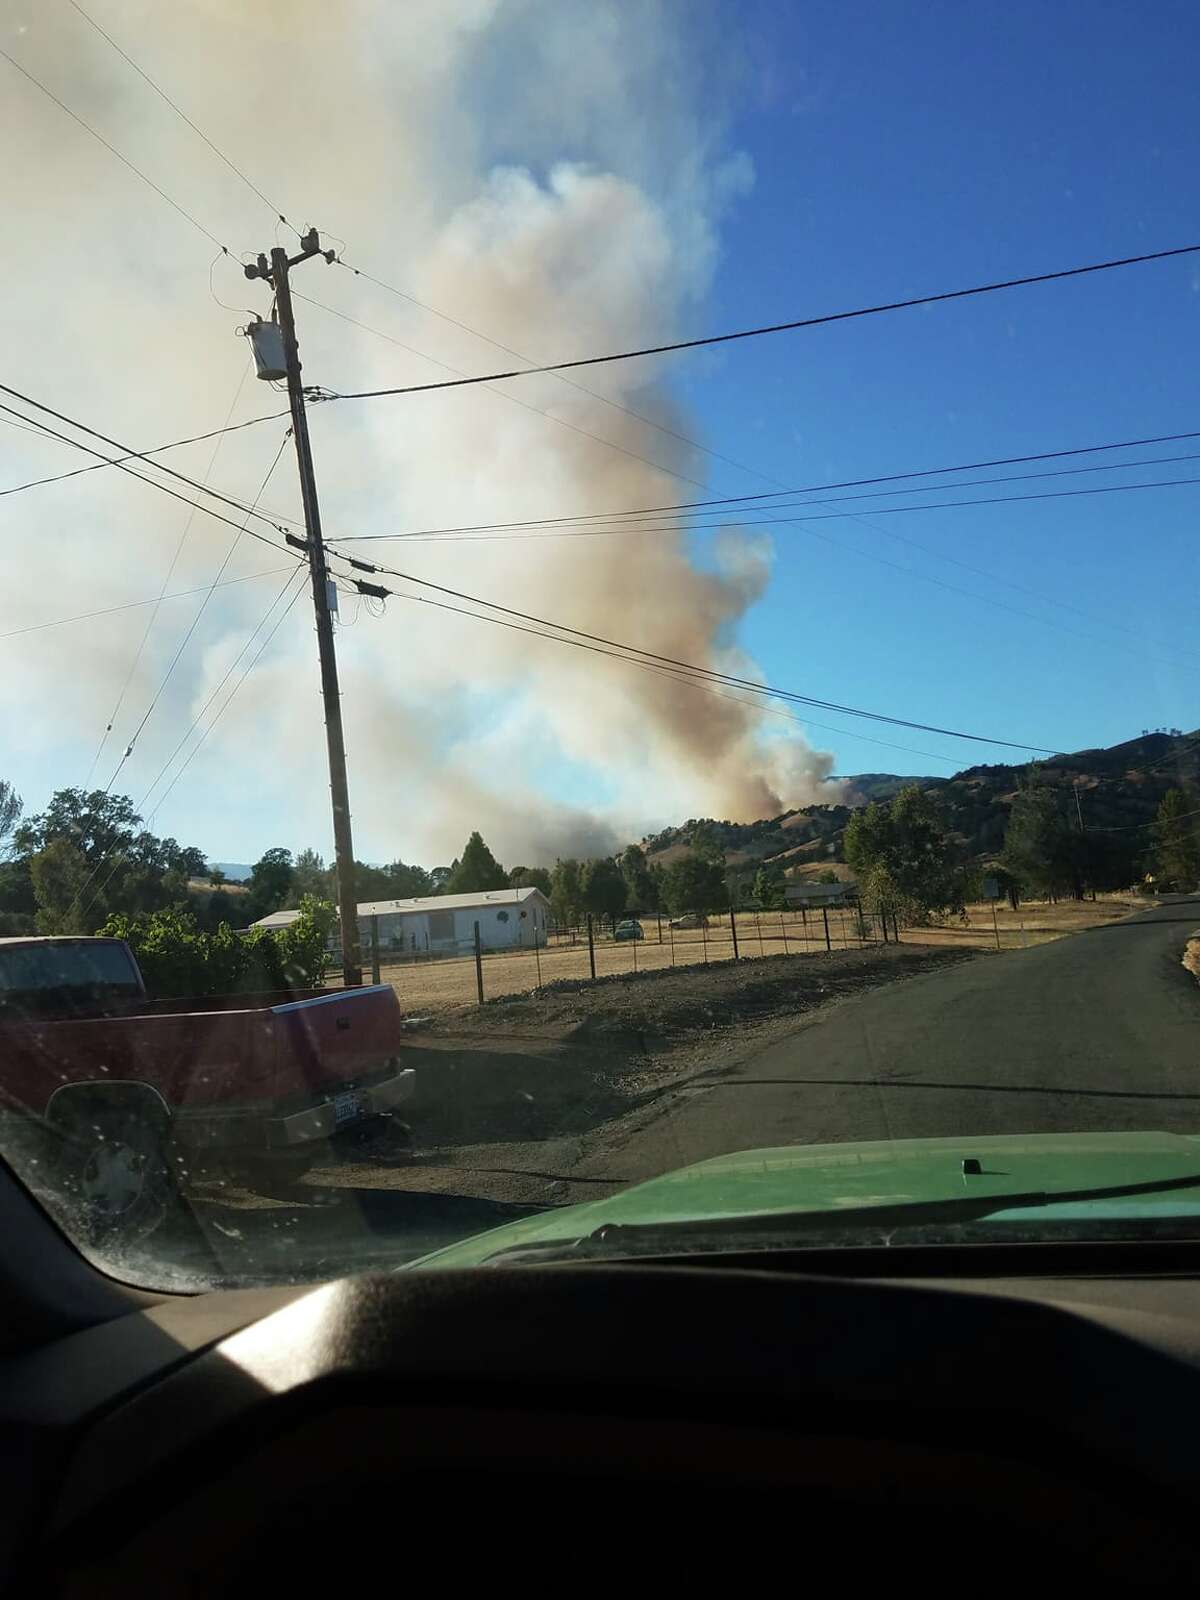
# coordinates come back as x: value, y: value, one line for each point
x: 178, y: 958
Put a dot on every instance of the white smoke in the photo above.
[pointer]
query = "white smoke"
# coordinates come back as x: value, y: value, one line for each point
x: 552, y: 174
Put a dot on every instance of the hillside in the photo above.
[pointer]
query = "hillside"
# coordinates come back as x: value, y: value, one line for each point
x: 1119, y: 790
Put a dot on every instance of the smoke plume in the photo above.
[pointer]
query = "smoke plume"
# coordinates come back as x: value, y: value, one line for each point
x: 534, y: 172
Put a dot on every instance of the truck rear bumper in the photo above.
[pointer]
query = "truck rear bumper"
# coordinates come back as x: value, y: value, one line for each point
x: 267, y: 1131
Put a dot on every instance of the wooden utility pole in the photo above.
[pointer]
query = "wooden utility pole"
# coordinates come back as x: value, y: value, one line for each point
x: 276, y: 273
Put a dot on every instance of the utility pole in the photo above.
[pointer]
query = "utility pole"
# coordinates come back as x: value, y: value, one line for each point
x: 275, y: 272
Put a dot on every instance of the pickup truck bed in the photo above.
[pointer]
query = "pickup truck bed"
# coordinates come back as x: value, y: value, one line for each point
x: 269, y: 1076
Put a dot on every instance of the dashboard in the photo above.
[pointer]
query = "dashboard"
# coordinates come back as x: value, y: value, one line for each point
x: 567, y: 1425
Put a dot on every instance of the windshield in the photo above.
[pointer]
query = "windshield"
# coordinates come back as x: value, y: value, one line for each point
x: 458, y: 460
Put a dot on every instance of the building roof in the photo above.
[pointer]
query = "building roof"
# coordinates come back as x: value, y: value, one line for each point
x: 277, y: 919
x: 429, y: 902
x: 814, y: 893
x: 451, y: 902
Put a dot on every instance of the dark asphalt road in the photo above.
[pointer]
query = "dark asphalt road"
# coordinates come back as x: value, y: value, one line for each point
x: 1095, y: 1032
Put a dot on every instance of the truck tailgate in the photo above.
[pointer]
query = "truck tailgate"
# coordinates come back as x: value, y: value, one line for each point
x: 346, y: 1037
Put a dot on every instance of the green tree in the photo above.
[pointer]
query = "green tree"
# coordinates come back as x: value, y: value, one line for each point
x: 694, y: 883
x: 603, y: 888
x: 60, y: 877
x: 310, y: 875
x: 530, y: 878
x: 11, y: 807
x: 270, y: 882
x: 95, y: 824
x: 769, y: 886
x: 1041, y: 848
x: 907, y: 837
x: 304, y: 945
x: 641, y: 890
x: 16, y: 887
x: 216, y: 877
x: 566, y: 893
x: 408, y: 882
x: 477, y: 870
x: 1177, y: 841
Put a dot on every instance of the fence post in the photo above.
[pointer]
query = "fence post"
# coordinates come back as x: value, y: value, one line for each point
x: 591, y: 947
x: 733, y: 928
x: 478, y: 965
x: 660, y: 927
x: 634, y: 943
x: 537, y: 954
x: 374, y: 948
x: 758, y: 925
x: 671, y: 936
x: 783, y: 931
x: 825, y: 914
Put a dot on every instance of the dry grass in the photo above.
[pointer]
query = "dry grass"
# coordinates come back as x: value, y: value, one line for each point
x: 436, y: 986
x: 1032, y: 923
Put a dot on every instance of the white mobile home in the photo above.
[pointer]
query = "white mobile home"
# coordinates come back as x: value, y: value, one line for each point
x: 444, y: 924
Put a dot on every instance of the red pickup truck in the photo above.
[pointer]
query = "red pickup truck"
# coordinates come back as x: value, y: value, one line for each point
x: 140, y: 1096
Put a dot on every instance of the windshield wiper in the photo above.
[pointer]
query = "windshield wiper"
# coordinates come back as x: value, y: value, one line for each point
x: 616, y: 1239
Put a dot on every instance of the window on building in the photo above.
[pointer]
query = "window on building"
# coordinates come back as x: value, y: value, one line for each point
x: 502, y: 916
x: 441, y: 924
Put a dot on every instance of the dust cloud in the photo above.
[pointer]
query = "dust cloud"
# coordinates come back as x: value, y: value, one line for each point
x: 523, y: 169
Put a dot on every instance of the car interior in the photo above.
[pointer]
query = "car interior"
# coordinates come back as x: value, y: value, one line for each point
x: 968, y: 1413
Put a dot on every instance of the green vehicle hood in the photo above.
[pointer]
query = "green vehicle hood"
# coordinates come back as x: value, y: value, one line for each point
x: 838, y: 1178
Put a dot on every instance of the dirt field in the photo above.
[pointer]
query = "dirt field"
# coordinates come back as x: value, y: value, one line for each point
x: 435, y: 987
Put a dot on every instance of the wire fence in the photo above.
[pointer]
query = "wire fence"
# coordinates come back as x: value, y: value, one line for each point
x: 583, y: 953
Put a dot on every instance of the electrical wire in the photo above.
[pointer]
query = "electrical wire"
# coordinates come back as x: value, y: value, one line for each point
x: 537, y: 411
x: 141, y: 455
x: 167, y: 576
x: 154, y: 600
x: 605, y: 646
x: 112, y: 150
x: 233, y: 665
x: 82, y: 427
x: 683, y: 508
x: 771, y: 522
x: 183, y: 644
x: 156, y: 484
x: 777, y: 327
x: 199, y: 132
x: 159, y: 803
x: 119, y: 861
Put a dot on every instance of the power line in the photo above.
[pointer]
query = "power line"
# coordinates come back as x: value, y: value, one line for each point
x: 167, y: 576
x: 183, y: 643
x: 140, y: 455
x: 196, y: 720
x: 562, y: 422
x: 133, y: 605
x: 770, y: 522
x: 683, y: 678
x: 1131, y: 827
x: 688, y: 506
x: 606, y: 646
x: 199, y: 132
x: 112, y: 150
x: 159, y: 803
x: 82, y: 427
x: 119, y: 861
x: 154, y: 482
x: 776, y: 327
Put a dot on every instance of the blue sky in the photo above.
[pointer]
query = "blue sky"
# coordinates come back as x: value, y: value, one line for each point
x: 904, y: 149
x: 895, y: 150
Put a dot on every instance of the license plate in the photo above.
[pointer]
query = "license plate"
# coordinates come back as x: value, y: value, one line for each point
x: 346, y: 1106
